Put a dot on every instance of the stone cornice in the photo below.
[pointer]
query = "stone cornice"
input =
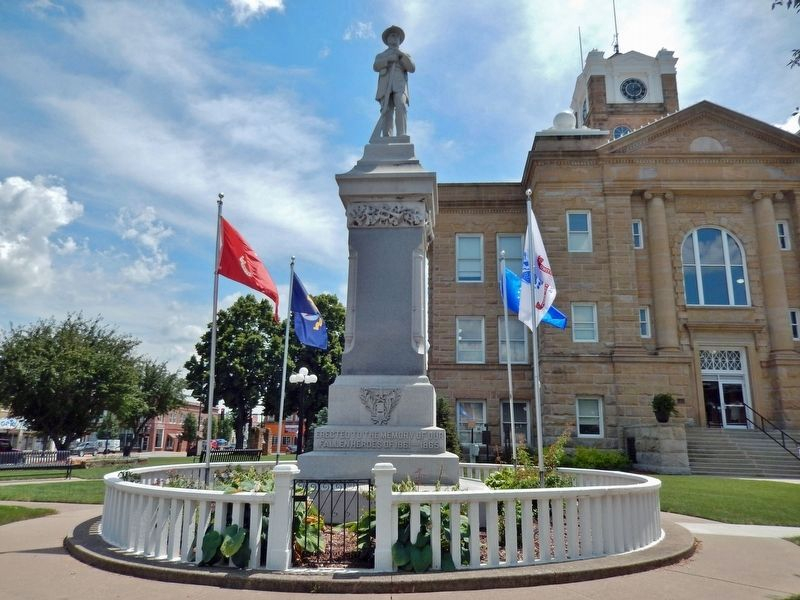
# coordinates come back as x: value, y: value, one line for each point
x: 671, y: 159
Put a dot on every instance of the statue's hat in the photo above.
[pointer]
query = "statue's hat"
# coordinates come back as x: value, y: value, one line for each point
x: 393, y: 29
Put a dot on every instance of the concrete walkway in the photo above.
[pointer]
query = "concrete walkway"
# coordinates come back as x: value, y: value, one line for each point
x: 731, y: 562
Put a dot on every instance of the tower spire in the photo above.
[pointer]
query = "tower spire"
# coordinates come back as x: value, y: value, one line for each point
x: 616, y: 32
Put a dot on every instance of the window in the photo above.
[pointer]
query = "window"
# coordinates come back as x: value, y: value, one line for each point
x: 517, y: 338
x: 713, y: 269
x: 589, y: 413
x: 794, y: 319
x: 512, y: 245
x: 173, y: 417
x: 469, y: 257
x: 522, y: 431
x: 471, y: 421
x: 644, y: 322
x: 584, y: 322
x: 469, y: 340
x: 783, y: 235
x: 636, y: 230
x: 159, y: 438
x: 579, y: 231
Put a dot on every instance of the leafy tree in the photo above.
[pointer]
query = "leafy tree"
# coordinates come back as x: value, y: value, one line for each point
x: 189, y: 432
x: 62, y: 377
x: 158, y: 392
x: 108, y: 427
x: 248, y: 361
x: 444, y: 419
x: 307, y: 400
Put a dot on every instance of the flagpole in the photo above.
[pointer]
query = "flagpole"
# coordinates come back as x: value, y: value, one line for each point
x: 508, y: 356
x: 535, y: 342
x: 213, y: 358
x: 285, y: 361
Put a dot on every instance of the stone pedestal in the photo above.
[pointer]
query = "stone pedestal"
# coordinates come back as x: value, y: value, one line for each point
x: 660, y: 448
x: 382, y: 408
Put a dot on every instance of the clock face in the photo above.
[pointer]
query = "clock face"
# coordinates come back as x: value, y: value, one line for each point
x: 633, y: 89
x: 621, y: 130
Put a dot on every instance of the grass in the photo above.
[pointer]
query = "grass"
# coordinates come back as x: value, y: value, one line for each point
x: 91, y: 491
x: 9, y: 514
x: 794, y: 540
x: 742, y: 501
x: 76, y: 492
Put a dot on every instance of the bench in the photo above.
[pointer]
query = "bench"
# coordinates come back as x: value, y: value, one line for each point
x: 241, y: 454
x: 18, y: 460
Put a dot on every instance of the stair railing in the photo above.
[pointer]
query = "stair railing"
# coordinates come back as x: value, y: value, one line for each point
x: 794, y: 450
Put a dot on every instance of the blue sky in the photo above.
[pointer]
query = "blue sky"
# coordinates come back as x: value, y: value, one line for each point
x: 121, y: 121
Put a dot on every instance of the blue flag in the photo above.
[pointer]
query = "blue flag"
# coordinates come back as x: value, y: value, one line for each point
x: 553, y: 316
x: 308, y: 324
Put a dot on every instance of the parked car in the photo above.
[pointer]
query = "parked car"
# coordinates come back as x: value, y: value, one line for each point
x: 85, y: 448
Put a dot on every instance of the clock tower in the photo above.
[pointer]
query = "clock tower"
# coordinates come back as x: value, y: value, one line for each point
x: 625, y: 91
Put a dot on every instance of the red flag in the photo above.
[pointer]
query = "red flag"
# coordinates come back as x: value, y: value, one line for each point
x: 239, y: 262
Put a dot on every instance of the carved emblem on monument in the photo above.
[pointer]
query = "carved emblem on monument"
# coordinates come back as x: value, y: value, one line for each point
x: 380, y: 403
x: 385, y: 215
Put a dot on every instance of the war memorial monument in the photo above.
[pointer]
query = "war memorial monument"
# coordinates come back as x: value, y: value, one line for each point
x: 382, y: 407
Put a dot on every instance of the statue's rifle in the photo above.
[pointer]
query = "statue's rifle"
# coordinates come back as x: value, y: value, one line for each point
x: 376, y: 133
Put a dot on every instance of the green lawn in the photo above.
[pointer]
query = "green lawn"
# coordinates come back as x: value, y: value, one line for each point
x: 75, y: 492
x: 741, y: 501
x: 9, y: 514
x: 90, y: 491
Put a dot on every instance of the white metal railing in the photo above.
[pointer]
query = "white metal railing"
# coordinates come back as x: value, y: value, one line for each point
x: 604, y: 513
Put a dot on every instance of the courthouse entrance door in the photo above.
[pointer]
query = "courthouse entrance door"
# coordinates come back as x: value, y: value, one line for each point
x: 725, y: 392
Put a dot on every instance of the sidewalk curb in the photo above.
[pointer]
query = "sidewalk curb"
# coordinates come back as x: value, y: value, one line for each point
x: 87, y: 546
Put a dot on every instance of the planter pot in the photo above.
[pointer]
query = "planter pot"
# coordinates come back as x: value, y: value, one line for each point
x: 662, y: 417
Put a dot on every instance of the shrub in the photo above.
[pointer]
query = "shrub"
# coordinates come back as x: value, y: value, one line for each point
x: 595, y: 458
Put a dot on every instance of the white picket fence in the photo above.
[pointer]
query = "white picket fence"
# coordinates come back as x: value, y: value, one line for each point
x: 604, y: 513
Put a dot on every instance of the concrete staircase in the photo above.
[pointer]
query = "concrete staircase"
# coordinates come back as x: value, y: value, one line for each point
x: 739, y: 453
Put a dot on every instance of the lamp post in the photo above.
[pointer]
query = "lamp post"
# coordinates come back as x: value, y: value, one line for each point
x: 302, y: 376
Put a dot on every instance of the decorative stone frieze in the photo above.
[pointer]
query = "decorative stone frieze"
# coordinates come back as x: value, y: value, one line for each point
x: 362, y: 214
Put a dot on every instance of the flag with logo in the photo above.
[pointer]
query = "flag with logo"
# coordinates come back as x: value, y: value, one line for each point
x: 537, y: 279
x: 239, y: 262
x: 308, y: 323
x: 553, y: 316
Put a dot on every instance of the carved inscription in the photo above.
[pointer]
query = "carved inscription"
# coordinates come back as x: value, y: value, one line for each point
x: 385, y: 215
x: 380, y: 403
x: 428, y: 442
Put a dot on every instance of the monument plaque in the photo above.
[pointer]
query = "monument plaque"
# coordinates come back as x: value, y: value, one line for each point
x: 382, y: 408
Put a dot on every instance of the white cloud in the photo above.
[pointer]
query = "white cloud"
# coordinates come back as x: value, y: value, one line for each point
x: 152, y: 263
x: 359, y: 31
x: 791, y: 124
x: 245, y: 10
x: 30, y: 212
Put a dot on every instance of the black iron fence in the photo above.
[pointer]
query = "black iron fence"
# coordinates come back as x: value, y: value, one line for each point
x: 333, y: 523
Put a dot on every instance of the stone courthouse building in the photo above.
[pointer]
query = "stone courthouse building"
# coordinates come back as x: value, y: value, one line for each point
x: 673, y: 234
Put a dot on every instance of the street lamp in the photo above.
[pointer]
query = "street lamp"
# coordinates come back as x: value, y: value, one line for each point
x: 302, y: 376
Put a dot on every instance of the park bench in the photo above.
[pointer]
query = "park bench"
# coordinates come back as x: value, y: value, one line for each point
x: 17, y: 460
x: 241, y: 454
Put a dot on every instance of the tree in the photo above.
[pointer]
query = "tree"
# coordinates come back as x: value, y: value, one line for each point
x: 444, y: 419
x: 62, y: 377
x: 189, y: 432
x: 307, y: 400
x: 158, y: 391
x: 248, y: 361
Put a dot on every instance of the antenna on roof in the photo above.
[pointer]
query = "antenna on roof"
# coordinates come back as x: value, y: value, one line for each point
x: 580, y: 46
x: 616, y: 32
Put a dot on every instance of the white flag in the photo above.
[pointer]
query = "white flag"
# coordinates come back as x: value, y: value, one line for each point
x: 544, y: 286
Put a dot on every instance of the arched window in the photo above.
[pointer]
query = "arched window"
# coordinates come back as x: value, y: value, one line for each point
x: 714, y: 272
